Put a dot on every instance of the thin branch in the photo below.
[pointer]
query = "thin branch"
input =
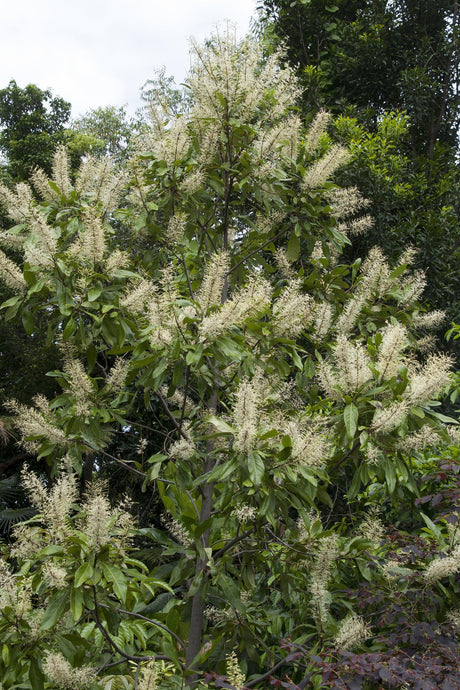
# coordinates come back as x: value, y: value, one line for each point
x: 232, y: 542
x: 144, y: 426
x: 346, y: 456
x: 184, y: 402
x: 206, y: 237
x: 192, y: 501
x: 149, y: 620
x: 284, y: 543
x: 120, y: 462
x: 255, y: 251
x: 12, y: 461
x: 189, y: 284
x: 171, y: 416
x: 107, y: 637
x: 269, y: 673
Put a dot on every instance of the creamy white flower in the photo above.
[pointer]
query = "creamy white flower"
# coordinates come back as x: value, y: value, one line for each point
x: 353, y: 631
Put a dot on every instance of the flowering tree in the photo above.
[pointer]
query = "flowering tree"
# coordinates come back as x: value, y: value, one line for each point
x: 202, y: 286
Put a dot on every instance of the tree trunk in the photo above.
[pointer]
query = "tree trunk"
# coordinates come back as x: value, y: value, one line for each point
x: 196, y: 618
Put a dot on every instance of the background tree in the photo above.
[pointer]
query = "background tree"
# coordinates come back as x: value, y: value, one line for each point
x: 32, y: 124
x: 371, y: 57
x: 101, y: 132
x: 161, y: 91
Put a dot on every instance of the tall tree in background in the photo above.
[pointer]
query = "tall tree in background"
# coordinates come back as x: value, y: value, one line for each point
x: 32, y: 124
x: 102, y: 132
x: 373, y: 56
x: 389, y: 72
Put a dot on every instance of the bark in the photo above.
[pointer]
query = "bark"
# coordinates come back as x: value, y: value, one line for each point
x: 196, y: 618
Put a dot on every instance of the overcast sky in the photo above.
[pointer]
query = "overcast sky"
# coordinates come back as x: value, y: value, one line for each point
x: 100, y: 52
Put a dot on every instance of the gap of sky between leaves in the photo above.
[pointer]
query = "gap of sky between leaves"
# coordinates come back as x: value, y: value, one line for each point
x: 100, y: 52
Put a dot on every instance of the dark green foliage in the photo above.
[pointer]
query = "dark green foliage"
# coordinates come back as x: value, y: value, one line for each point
x: 373, y: 56
x: 12, y: 507
x: 162, y: 92
x: 31, y: 126
x: 414, y: 202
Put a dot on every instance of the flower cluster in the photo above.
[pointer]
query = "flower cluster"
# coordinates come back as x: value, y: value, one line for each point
x: 353, y: 631
x: 234, y: 674
x: 62, y: 675
x: 328, y: 550
x: 245, y: 304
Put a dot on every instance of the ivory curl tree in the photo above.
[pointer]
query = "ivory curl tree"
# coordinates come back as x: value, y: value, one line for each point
x: 202, y: 285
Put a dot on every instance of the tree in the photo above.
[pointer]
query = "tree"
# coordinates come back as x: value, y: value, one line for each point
x: 31, y: 126
x: 101, y: 132
x: 161, y: 91
x: 283, y: 388
x: 367, y: 58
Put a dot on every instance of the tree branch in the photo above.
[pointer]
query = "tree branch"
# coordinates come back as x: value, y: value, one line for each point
x: 149, y: 620
x: 171, y: 416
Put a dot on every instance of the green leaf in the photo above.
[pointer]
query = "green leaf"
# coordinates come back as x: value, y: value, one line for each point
x: 178, y: 372
x: 83, y: 574
x: 355, y: 485
x: 54, y: 187
x: 69, y: 329
x: 94, y: 293
x: 222, y: 472
x: 91, y: 354
x: 434, y: 529
x: 309, y: 368
x: 158, y: 457
x: 194, y: 356
x: 170, y: 650
x: 51, y: 550
x: 153, y: 474
x: 12, y: 311
x: 28, y: 321
x: 443, y: 418
x: 293, y: 248
x: 56, y: 607
x: 256, y: 467
x: 6, y: 655
x: 390, y: 475
x: 67, y: 644
x: 350, y: 418
x: 76, y: 602
x: 114, y: 574
x: 37, y: 286
x: 220, y: 425
x: 364, y: 569
x: 11, y: 302
x: 35, y: 675
x: 228, y: 347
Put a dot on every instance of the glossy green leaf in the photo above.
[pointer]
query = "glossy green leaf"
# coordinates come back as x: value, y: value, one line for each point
x: 83, y: 574
x: 115, y: 576
x: 256, y: 467
x: 57, y: 605
x: 350, y: 418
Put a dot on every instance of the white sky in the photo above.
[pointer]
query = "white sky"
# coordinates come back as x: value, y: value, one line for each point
x: 100, y: 52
